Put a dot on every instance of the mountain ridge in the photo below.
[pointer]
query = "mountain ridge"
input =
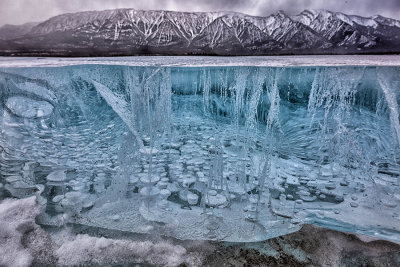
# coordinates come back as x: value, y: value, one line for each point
x: 138, y: 32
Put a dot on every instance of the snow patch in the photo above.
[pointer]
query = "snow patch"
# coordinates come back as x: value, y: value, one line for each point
x: 85, y: 249
x: 16, y: 218
x: 24, y: 243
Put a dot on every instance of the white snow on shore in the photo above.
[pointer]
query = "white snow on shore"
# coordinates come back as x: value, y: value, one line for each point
x: 16, y: 218
x: 22, y: 241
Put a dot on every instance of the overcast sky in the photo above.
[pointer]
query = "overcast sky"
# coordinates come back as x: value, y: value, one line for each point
x: 21, y: 11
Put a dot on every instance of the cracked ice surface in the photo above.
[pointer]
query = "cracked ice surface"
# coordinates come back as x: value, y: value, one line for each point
x: 220, y: 153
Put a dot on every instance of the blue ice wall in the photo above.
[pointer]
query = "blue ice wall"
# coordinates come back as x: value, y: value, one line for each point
x: 221, y: 153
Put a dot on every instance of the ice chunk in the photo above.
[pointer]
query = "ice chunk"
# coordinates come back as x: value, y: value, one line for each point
x: 28, y: 108
x: 228, y: 153
x: 57, y: 176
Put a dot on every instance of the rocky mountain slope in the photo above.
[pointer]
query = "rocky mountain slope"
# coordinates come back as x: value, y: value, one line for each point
x: 9, y: 31
x: 138, y: 32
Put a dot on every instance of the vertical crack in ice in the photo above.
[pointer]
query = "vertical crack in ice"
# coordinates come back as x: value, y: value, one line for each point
x: 274, y: 98
x: 120, y: 106
x: 206, y: 84
x: 333, y: 90
x: 385, y: 76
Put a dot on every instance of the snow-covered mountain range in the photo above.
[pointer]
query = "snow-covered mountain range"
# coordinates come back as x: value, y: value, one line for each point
x: 133, y: 32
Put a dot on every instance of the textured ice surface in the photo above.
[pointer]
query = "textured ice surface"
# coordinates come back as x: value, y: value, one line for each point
x: 28, y: 108
x: 223, y: 153
x: 207, y: 61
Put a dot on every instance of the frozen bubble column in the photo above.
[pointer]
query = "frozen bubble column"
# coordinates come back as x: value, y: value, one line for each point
x: 221, y: 153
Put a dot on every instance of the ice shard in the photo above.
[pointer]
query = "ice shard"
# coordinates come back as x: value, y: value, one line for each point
x: 220, y: 153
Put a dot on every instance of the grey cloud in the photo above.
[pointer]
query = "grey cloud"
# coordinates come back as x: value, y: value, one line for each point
x: 21, y: 11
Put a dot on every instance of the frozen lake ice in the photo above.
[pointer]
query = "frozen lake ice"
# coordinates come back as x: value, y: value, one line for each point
x: 218, y: 148
x: 208, y: 61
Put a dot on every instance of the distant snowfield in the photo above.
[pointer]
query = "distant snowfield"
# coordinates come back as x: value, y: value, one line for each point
x: 207, y: 61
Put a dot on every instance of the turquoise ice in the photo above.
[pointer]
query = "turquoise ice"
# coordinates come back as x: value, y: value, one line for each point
x: 233, y: 153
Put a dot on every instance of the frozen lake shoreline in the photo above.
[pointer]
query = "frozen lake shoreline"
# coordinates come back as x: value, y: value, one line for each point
x: 207, y: 61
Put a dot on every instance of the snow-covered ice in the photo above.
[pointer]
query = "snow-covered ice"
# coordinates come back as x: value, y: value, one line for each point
x: 207, y: 61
